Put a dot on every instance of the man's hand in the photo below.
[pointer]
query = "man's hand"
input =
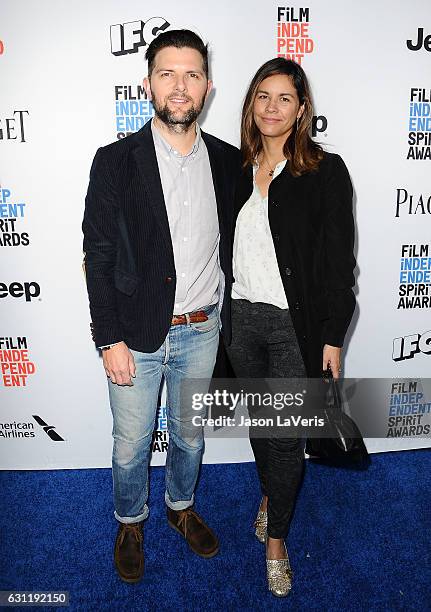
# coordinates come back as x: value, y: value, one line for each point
x: 332, y: 358
x: 119, y: 364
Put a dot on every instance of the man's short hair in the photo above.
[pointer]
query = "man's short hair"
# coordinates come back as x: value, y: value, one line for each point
x: 178, y: 39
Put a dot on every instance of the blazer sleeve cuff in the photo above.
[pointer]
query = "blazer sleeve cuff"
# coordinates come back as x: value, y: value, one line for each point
x: 106, y: 335
x: 332, y: 336
x: 334, y: 331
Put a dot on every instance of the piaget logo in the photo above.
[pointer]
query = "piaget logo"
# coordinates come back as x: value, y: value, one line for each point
x: 412, y: 203
x: 14, y: 126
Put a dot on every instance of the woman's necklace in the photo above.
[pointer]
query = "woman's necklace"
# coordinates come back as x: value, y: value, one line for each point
x: 271, y: 170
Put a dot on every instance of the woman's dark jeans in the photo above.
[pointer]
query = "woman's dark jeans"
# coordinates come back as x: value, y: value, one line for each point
x: 264, y: 345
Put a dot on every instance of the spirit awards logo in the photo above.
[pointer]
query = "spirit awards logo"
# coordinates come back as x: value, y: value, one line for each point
x: 408, y: 411
x: 293, y: 38
x: 15, y: 362
x: 13, y: 128
x: 132, y: 109
x: 407, y: 347
x: 131, y: 36
x: 11, y: 216
x: 412, y: 204
x: 420, y: 41
x: 415, y: 277
x: 419, y: 139
x: 160, y: 436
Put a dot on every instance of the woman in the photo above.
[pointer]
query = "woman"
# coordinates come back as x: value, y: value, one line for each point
x: 293, y: 267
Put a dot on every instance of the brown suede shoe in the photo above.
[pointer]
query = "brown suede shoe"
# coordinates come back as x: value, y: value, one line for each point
x: 191, y: 526
x: 128, y: 554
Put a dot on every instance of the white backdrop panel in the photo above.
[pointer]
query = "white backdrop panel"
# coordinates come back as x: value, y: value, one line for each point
x: 56, y: 63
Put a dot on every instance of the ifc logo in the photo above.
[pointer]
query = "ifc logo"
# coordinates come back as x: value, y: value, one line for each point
x: 128, y: 37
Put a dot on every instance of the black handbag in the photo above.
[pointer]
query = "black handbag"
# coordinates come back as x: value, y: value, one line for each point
x: 345, y: 447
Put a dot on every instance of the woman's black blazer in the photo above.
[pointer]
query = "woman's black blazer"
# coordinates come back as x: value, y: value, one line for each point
x: 312, y: 227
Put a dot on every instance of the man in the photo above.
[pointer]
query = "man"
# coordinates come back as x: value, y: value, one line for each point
x: 157, y: 229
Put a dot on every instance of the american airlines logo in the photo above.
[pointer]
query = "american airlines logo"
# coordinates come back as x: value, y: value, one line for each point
x: 48, y: 429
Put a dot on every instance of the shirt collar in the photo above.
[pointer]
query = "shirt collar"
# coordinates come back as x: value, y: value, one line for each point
x: 163, y: 144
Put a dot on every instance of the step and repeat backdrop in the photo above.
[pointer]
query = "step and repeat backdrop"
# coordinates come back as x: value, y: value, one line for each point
x: 71, y: 75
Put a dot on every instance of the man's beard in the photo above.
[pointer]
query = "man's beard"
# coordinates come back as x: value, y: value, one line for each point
x: 175, y: 120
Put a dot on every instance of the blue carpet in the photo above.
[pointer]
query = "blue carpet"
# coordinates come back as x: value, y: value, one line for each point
x: 359, y: 541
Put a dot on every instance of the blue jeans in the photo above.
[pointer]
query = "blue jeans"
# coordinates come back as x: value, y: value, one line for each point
x: 189, y: 351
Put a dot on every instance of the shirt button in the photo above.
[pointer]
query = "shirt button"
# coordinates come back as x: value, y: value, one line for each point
x: 183, y: 169
x: 275, y: 203
x: 276, y: 237
x: 296, y: 306
x: 288, y: 271
x: 186, y: 203
x: 168, y: 279
x: 185, y: 238
x: 183, y: 274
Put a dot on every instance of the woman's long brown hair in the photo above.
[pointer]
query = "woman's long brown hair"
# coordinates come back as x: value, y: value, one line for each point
x: 301, y: 152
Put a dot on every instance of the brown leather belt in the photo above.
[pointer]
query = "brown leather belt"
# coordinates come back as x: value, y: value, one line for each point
x: 190, y: 317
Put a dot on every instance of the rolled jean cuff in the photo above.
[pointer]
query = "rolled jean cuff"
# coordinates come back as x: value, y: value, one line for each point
x: 179, y: 505
x: 127, y: 519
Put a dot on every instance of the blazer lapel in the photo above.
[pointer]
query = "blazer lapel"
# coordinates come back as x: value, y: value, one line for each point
x: 215, y: 155
x: 146, y: 161
x: 244, y: 188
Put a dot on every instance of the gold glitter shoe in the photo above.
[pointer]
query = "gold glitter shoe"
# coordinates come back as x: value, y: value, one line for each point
x: 260, y: 525
x: 279, y: 576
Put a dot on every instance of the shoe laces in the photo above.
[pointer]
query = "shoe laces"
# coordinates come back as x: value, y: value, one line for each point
x: 134, y: 529
x: 184, y: 516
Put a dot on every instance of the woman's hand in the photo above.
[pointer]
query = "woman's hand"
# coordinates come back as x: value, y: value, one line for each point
x: 332, y: 358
